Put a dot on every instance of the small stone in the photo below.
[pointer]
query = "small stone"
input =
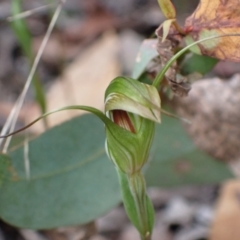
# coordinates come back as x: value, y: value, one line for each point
x: 1, y: 235
x: 204, y: 215
x: 193, y: 233
x: 72, y: 233
x: 129, y: 233
x: 31, y: 235
x: 179, y: 211
x: 159, y: 197
x: 115, y: 220
x: 98, y: 237
x: 160, y: 230
x: 213, y: 109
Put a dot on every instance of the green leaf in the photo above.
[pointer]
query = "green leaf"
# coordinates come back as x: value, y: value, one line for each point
x: 71, y: 179
x: 175, y: 161
x: 198, y: 63
x: 21, y: 30
x: 167, y: 8
x: 147, y: 52
x: 166, y: 28
x: 4, y: 167
x: 145, y: 78
x: 39, y: 94
x: 151, y: 213
x: 130, y: 204
x: 128, y: 199
x: 72, y: 182
x: 24, y: 38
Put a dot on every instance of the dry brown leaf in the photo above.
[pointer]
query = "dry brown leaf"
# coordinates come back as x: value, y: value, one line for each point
x: 178, y: 83
x: 217, y: 17
x: 227, y: 219
x: 83, y: 82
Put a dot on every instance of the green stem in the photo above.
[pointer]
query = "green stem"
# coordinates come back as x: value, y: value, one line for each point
x: 161, y: 74
x: 179, y: 28
x: 138, y: 189
x: 95, y: 111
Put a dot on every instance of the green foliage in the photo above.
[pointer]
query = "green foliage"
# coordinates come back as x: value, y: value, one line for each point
x: 4, y: 168
x: 128, y: 199
x: 167, y: 9
x: 130, y: 204
x: 71, y: 179
x: 21, y: 30
x: 72, y: 182
x: 175, y: 161
x: 24, y: 38
x: 147, y: 53
x: 198, y: 63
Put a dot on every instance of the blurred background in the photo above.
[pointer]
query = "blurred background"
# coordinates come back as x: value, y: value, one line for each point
x: 93, y: 42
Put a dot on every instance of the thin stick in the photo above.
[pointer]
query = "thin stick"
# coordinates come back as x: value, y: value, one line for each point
x: 29, y: 12
x: 175, y: 116
x: 12, y: 119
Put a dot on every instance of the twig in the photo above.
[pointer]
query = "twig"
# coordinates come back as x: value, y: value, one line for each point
x: 12, y: 119
x: 29, y: 12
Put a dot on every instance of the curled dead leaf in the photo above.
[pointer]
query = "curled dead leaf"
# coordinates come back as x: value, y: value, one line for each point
x: 179, y: 84
x: 216, y: 17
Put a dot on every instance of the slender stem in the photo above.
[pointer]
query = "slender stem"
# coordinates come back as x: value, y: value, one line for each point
x: 12, y: 119
x: 175, y: 116
x: 29, y: 12
x: 179, y: 28
x: 161, y: 74
x: 95, y: 111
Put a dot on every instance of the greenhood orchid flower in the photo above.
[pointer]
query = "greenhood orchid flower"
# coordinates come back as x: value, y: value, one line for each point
x: 132, y: 106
